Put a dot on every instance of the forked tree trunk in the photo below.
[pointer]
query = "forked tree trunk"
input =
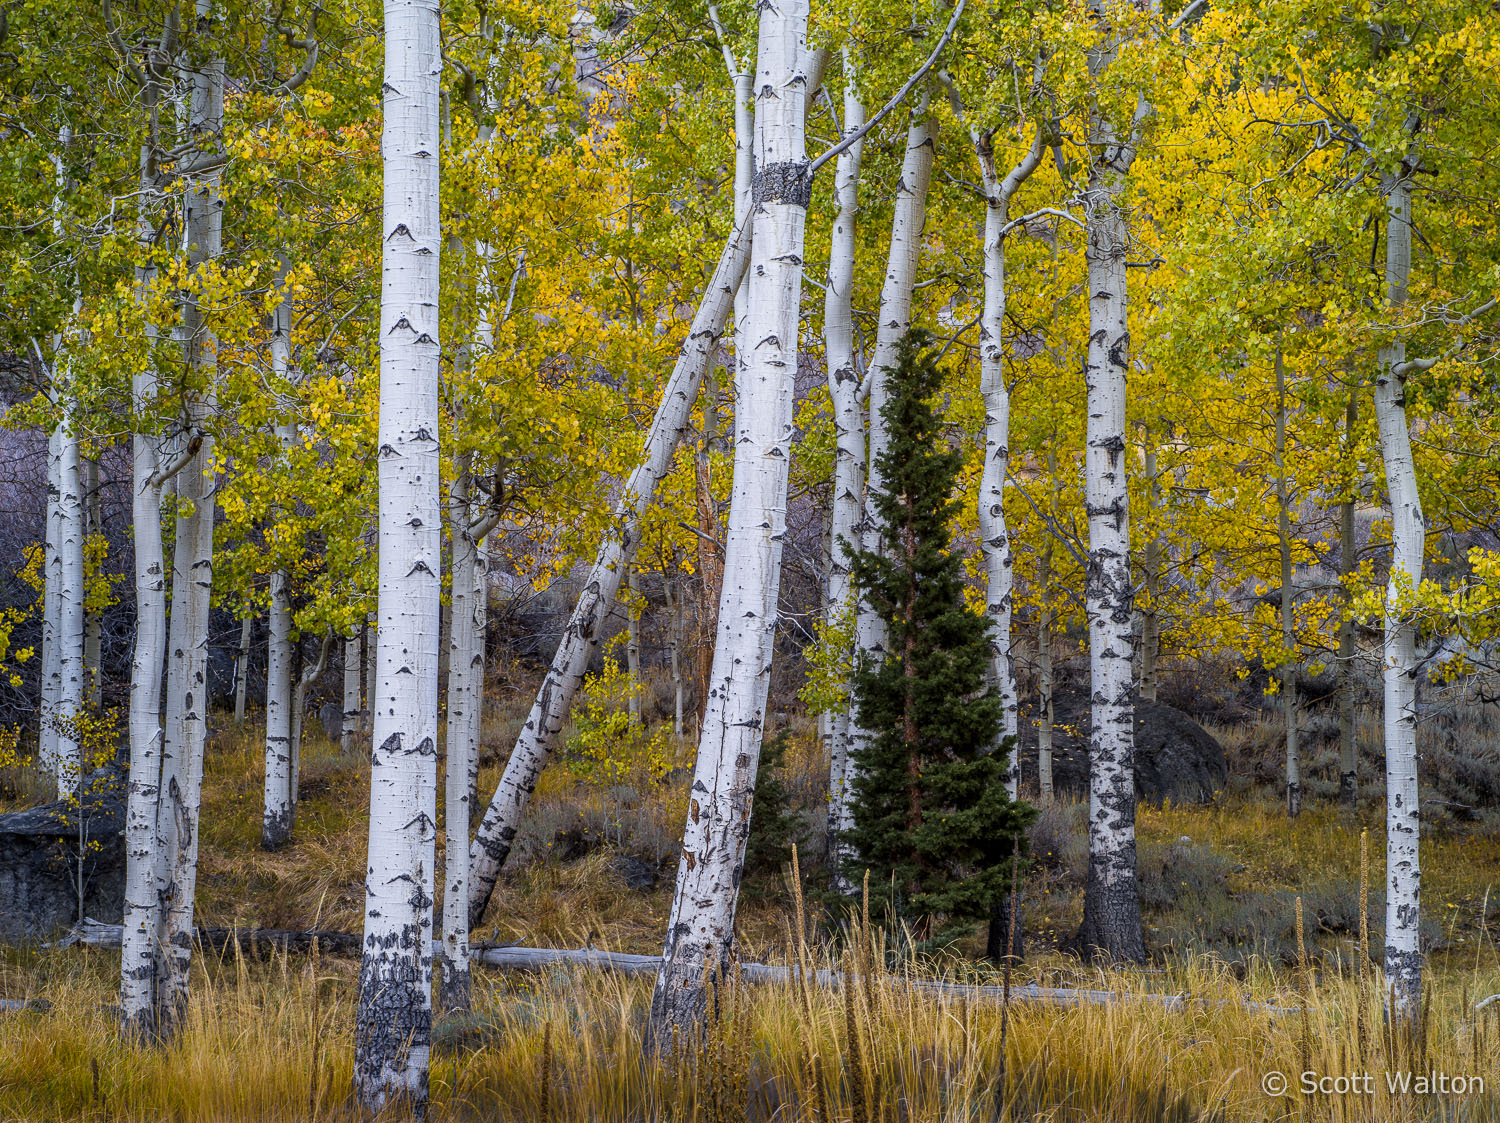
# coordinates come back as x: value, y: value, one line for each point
x: 186, y: 721
x: 993, y: 532
x: 1111, y: 906
x: 848, y: 465
x: 497, y: 831
x: 393, y: 1027
x: 1288, y: 623
x: 304, y: 683
x: 1403, y: 955
x: 700, y: 930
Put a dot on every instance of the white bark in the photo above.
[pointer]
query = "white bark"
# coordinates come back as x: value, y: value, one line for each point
x: 71, y: 675
x: 304, y: 683
x: 895, y: 320
x: 492, y: 841
x: 1288, y: 631
x: 242, y: 670
x: 372, y: 652
x: 700, y: 931
x: 276, y: 808
x: 1403, y: 954
x: 394, y: 1022
x: 192, y: 559
x: 1046, y: 714
x: 51, y: 669
x: 848, y: 465
x: 349, y: 727
x: 993, y: 532
x: 462, y: 743
x: 1111, y: 920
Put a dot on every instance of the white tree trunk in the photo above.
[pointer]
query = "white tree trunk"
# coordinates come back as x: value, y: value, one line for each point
x: 185, y: 726
x: 700, y: 931
x: 463, y: 699
x: 276, y: 810
x: 349, y: 726
x: 143, y: 931
x: 993, y: 533
x: 1045, y: 714
x: 393, y: 1029
x: 48, y: 728
x: 71, y: 672
x: 372, y: 653
x: 848, y: 464
x: 304, y: 683
x: 1151, y: 577
x: 895, y: 320
x: 1111, y: 918
x: 1348, y: 748
x: 1288, y: 629
x: 242, y: 670
x: 1403, y: 954
x: 492, y: 841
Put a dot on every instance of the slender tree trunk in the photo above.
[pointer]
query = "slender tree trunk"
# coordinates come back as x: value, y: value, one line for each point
x: 372, y: 654
x: 993, y: 532
x: 492, y: 841
x: 1348, y: 749
x: 48, y: 726
x: 143, y: 929
x: 65, y: 589
x: 242, y: 670
x: 910, y: 214
x: 193, y: 555
x: 393, y: 1028
x: 1044, y: 705
x: 304, y: 683
x: 1111, y: 909
x: 93, y: 623
x: 349, y: 726
x: 276, y: 811
x: 1403, y: 955
x: 700, y: 931
x: 463, y: 697
x: 633, y: 644
x: 848, y: 466
x: 481, y: 645
x: 1151, y: 615
x: 1288, y: 623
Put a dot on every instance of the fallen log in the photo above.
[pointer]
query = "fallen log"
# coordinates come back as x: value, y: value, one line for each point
x: 509, y: 957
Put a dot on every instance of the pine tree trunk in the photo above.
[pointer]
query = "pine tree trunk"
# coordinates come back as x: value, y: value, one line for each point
x: 1403, y: 956
x: 1288, y: 623
x: 1111, y: 910
x: 393, y: 1028
x: 1348, y: 749
x: 492, y: 841
x: 463, y: 697
x: 242, y: 670
x: 700, y: 930
x: 186, y: 722
x: 848, y: 465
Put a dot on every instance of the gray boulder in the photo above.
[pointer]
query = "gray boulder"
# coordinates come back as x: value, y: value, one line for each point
x: 1175, y: 757
x: 40, y: 861
x: 331, y: 714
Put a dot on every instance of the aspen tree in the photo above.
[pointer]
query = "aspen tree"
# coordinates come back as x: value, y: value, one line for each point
x: 394, y: 1019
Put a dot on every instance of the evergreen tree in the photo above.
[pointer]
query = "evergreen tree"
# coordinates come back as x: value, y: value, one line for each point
x: 932, y: 819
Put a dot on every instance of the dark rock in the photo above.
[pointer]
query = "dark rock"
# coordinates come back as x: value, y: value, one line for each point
x: 573, y: 843
x: 331, y: 714
x: 39, y: 861
x: 637, y: 874
x: 1175, y: 757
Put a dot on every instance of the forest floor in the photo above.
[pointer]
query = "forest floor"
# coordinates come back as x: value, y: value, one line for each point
x: 272, y: 1038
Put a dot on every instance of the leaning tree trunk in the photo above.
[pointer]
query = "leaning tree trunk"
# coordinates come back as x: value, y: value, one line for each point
x: 993, y: 532
x: 393, y: 1028
x: 1403, y: 956
x: 910, y: 214
x: 700, y: 930
x: 1111, y: 907
x: 497, y: 831
x: 463, y: 699
x: 276, y: 807
x: 1288, y: 623
x: 193, y: 555
x: 848, y: 465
